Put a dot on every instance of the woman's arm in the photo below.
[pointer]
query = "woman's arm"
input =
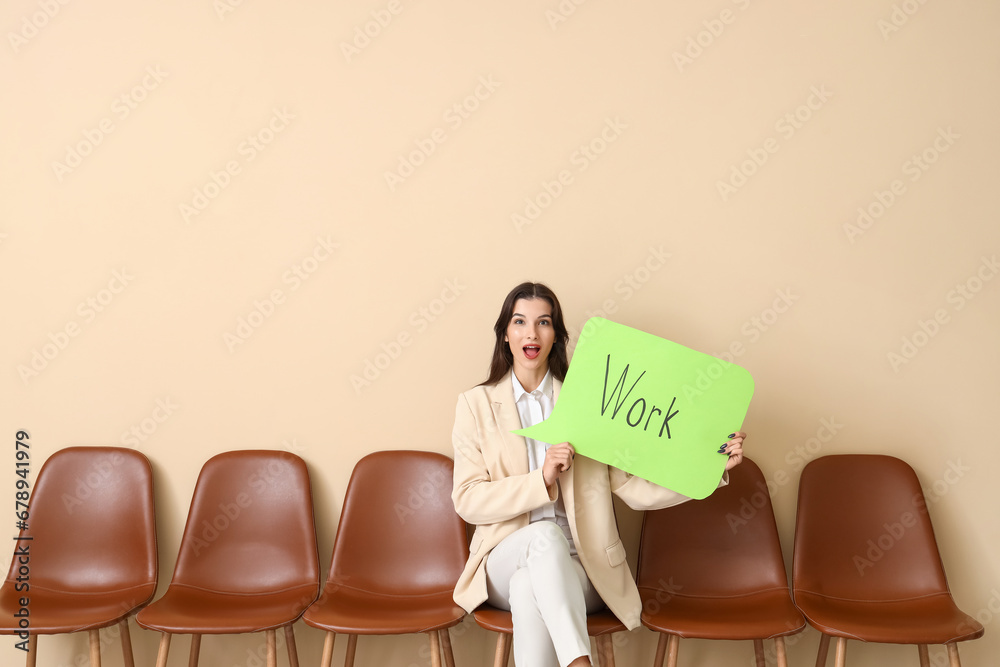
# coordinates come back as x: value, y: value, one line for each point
x: 641, y: 494
x: 479, y: 496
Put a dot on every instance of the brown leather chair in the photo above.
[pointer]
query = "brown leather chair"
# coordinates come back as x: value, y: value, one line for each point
x: 247, y: 560
x: 601, y: 625
x: 712, y: 569
x: 91, y: 548
x: 399, y: 551
x: 866, y: 564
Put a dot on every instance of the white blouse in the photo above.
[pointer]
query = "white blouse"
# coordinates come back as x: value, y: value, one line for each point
x: 533, y: 408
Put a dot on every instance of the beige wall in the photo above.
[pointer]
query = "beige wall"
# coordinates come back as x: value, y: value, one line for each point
x: 139, y: 214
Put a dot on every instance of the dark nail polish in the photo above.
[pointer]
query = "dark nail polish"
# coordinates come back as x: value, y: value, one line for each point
x: 732, y: 435
x: 722, y: 450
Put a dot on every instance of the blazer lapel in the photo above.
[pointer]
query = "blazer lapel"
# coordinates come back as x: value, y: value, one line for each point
x: 501, y: 397
x: 566, y: 486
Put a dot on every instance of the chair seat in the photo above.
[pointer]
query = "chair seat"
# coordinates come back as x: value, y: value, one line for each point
x: 934, y: 619
x: 763, y: 615
x: 188, y: 610
x: 497, y: 620
x: 55, y: 612
x: 356, y: 612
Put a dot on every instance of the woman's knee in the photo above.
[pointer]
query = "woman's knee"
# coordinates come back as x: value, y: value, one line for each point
x: 547, y: 539
x: 522, y: 594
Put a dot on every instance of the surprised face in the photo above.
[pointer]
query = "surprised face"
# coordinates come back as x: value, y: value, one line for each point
x: 530, y: 335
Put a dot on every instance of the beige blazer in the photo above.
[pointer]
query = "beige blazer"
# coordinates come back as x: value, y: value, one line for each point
x: 495, y: 491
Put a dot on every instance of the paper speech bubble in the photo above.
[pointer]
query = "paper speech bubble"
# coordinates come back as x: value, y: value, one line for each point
x: 648, y: 406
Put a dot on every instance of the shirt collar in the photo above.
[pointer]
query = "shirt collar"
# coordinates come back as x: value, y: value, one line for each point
x: 545, y: 387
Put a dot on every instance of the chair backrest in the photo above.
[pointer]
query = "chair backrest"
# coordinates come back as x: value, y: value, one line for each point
x: 250, y: 528
x: 862, y: 531
x: 92, y: 524
x: 399, y: 532
x: 724, y: 545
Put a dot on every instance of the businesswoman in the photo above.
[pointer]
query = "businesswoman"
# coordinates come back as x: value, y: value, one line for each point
x: 546, y: 545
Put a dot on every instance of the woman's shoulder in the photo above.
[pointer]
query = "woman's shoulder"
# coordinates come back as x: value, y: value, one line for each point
x: 486, y: 391
x: 479, y: 393
x: 473, y: 393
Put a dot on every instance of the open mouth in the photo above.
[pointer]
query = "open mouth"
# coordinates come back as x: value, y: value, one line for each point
x: 531, y: 351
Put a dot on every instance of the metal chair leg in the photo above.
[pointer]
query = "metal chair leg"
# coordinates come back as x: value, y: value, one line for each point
x: 953, y: 660
x: 758, y: 653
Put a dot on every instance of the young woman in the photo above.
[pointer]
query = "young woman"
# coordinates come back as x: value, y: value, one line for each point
x: 546, y: 544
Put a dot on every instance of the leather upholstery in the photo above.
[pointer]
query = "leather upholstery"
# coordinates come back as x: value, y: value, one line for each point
x: 93, y: 552
x: 498, y: 620
x: 866, y: 564
x: 399, y: 549
x: 713, y: 568
x: 248, y: 558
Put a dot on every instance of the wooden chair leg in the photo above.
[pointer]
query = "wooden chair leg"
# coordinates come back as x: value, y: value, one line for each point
x: 779, y: 649
x: 328, y: 642
x: 953, y: 660
x: 758, y: 653
x: 272, y: 648
x: 606, y: 651
x: 352, y: 647
x: 449, y: 656
x: 293, y: 653
x: 195, y: 651
x: 824, y: 650
x: 95, y: 648
x: 32, y: 650
x: 161, y: 655
x: 661, y: 650
x: 500, y: 656
x: 507, y: 646
x: 925, y: 658
x: 840, y: 656
x: 435, y: 648
x: 673, y: 645
x: 127, y: 656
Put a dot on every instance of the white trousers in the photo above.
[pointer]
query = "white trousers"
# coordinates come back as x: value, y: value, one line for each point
x: 531, y: 573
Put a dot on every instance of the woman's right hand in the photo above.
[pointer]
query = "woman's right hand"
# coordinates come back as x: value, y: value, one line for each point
x: 558, y: 458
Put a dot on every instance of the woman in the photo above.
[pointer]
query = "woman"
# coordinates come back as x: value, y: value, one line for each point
x: 546, y: 544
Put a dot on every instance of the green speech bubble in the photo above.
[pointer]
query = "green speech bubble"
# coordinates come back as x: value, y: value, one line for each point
x: 648, y: 406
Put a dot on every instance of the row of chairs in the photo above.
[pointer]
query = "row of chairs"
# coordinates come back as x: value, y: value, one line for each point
x: 722, y: 560
x: 248, y: 559
x: 865, y: 567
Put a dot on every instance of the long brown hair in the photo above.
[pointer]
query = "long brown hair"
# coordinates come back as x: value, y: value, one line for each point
x: 503, y: 359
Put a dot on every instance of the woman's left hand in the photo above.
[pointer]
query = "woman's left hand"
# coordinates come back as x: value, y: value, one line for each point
x: 735, y: 449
